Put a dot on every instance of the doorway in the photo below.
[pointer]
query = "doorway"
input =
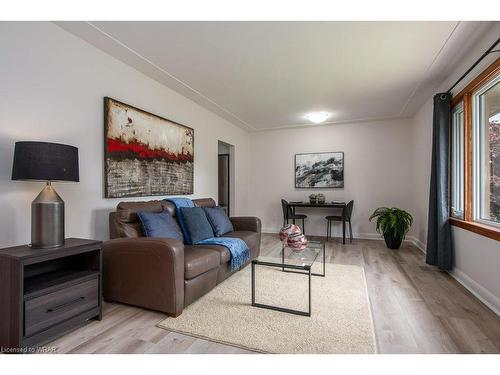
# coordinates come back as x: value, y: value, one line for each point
x: 225, y: 176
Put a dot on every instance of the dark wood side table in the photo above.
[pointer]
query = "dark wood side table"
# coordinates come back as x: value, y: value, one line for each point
x: 45, y: 293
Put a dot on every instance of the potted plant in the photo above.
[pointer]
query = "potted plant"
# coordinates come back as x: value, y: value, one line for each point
x: 393, y: 223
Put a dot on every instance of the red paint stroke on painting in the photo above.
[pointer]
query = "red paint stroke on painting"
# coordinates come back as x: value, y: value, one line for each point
x: 142, y: 151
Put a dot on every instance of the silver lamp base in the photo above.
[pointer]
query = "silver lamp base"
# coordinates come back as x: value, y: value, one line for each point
x: 47, y: 219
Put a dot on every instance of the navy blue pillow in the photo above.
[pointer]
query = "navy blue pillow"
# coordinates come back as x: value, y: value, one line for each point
x: 159, y: 224
x: 219, y: 220
x: 197, y: 224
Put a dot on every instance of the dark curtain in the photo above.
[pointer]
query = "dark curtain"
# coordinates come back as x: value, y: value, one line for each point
x: 439, y: 249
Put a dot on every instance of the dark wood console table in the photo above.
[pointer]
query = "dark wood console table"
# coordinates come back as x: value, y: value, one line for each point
x: 45, y: 293
x: 341, y: 205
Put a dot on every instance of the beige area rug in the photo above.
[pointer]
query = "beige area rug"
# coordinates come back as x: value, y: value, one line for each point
x: 340, y: 322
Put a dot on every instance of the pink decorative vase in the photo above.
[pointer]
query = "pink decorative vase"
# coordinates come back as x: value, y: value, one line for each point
x: 288, y: 230
x: 297, y: 242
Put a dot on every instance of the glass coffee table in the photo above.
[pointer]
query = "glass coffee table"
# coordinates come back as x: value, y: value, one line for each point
x: 292, y: 262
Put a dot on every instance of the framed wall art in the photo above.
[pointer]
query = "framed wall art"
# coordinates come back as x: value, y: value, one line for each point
x: 319, y: 170
x: 145, y: 154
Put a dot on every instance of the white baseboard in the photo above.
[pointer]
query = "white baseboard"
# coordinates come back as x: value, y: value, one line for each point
x: 361, y: 236
x: 416, y: 242
x: 480, y: 292
x: 270, y: 230
x: 368, y: 236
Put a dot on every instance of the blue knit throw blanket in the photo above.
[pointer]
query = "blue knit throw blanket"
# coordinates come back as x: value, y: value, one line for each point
x: 240, y: 253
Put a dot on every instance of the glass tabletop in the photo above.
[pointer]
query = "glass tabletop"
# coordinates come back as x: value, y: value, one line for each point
x: 304, y: 258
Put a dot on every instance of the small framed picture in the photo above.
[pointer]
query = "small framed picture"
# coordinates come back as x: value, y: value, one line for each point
x: 319, y: 170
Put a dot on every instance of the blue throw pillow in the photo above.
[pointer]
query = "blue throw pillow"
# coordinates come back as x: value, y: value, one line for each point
x: 159, y: 224
x: 197, y: 224
x: 219, y: 220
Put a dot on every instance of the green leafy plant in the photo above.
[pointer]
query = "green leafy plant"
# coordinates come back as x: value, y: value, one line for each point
x: 392, y: 221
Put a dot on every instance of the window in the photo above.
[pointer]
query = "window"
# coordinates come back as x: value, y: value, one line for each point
x: 475, y: 155
x: 486, y: 144
x: 457, y: 162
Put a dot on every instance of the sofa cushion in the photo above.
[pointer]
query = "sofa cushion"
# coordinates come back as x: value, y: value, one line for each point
x: 127, y: 211
x: 118, y: 228
x: 159, y: 224
x: 218, y: 220
x: 225, y: 255
x: 125, y: 221
x: 199, y: 259
x: 197, y: 224
x: 204, y: 202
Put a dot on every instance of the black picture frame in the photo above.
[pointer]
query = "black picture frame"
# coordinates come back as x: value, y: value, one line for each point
x: 338, y: 173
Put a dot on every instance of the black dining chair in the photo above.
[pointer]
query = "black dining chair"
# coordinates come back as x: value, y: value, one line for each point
x: 288, y: 215
x: 347, y: 211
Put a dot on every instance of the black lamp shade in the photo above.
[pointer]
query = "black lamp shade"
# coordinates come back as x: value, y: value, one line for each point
x: 45, y: 161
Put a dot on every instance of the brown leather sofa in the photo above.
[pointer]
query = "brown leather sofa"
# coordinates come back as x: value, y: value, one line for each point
x: 161, y: 273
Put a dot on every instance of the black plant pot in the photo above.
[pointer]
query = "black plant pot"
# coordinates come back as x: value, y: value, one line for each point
x: 391, y: 241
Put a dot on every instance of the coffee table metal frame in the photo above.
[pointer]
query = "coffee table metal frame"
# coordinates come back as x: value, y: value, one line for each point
x: 290, y: 268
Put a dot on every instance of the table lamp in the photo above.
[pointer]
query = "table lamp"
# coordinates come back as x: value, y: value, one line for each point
x: 44, y: 161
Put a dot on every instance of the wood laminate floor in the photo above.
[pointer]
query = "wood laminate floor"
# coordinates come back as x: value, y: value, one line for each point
x: 416, y: 309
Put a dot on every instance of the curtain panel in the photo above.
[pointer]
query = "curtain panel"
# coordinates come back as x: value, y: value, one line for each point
x: 439, y: 246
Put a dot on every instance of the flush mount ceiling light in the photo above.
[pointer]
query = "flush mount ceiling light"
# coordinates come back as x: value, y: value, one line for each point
x: 317, y: 117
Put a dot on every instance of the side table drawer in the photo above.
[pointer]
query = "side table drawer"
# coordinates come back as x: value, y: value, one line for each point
x: 52, y: 308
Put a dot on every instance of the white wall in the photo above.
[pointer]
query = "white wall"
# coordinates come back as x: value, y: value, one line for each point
x: 52, y: 86
x: 421, y: 161
x: 477, y: 258
x: 377, y: 159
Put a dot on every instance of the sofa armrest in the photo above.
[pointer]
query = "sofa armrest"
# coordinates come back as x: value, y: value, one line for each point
x: 250, y: 223
x: 146, y: 272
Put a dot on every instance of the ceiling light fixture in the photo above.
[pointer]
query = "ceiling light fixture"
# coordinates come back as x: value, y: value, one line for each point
x: 317, y: 117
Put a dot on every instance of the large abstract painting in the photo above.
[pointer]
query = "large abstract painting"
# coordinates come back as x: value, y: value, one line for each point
x: 319, y: 170
x: 145, y: 154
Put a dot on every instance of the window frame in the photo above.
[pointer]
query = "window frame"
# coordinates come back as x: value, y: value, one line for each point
x: 466, y: 96
x: 478, y: 155
x: 455, y: 164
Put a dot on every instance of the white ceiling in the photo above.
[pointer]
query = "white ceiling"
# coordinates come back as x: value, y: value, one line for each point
x: 268, y: 75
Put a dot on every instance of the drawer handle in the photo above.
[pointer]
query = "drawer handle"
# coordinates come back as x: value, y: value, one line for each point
x: 65, y: 304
